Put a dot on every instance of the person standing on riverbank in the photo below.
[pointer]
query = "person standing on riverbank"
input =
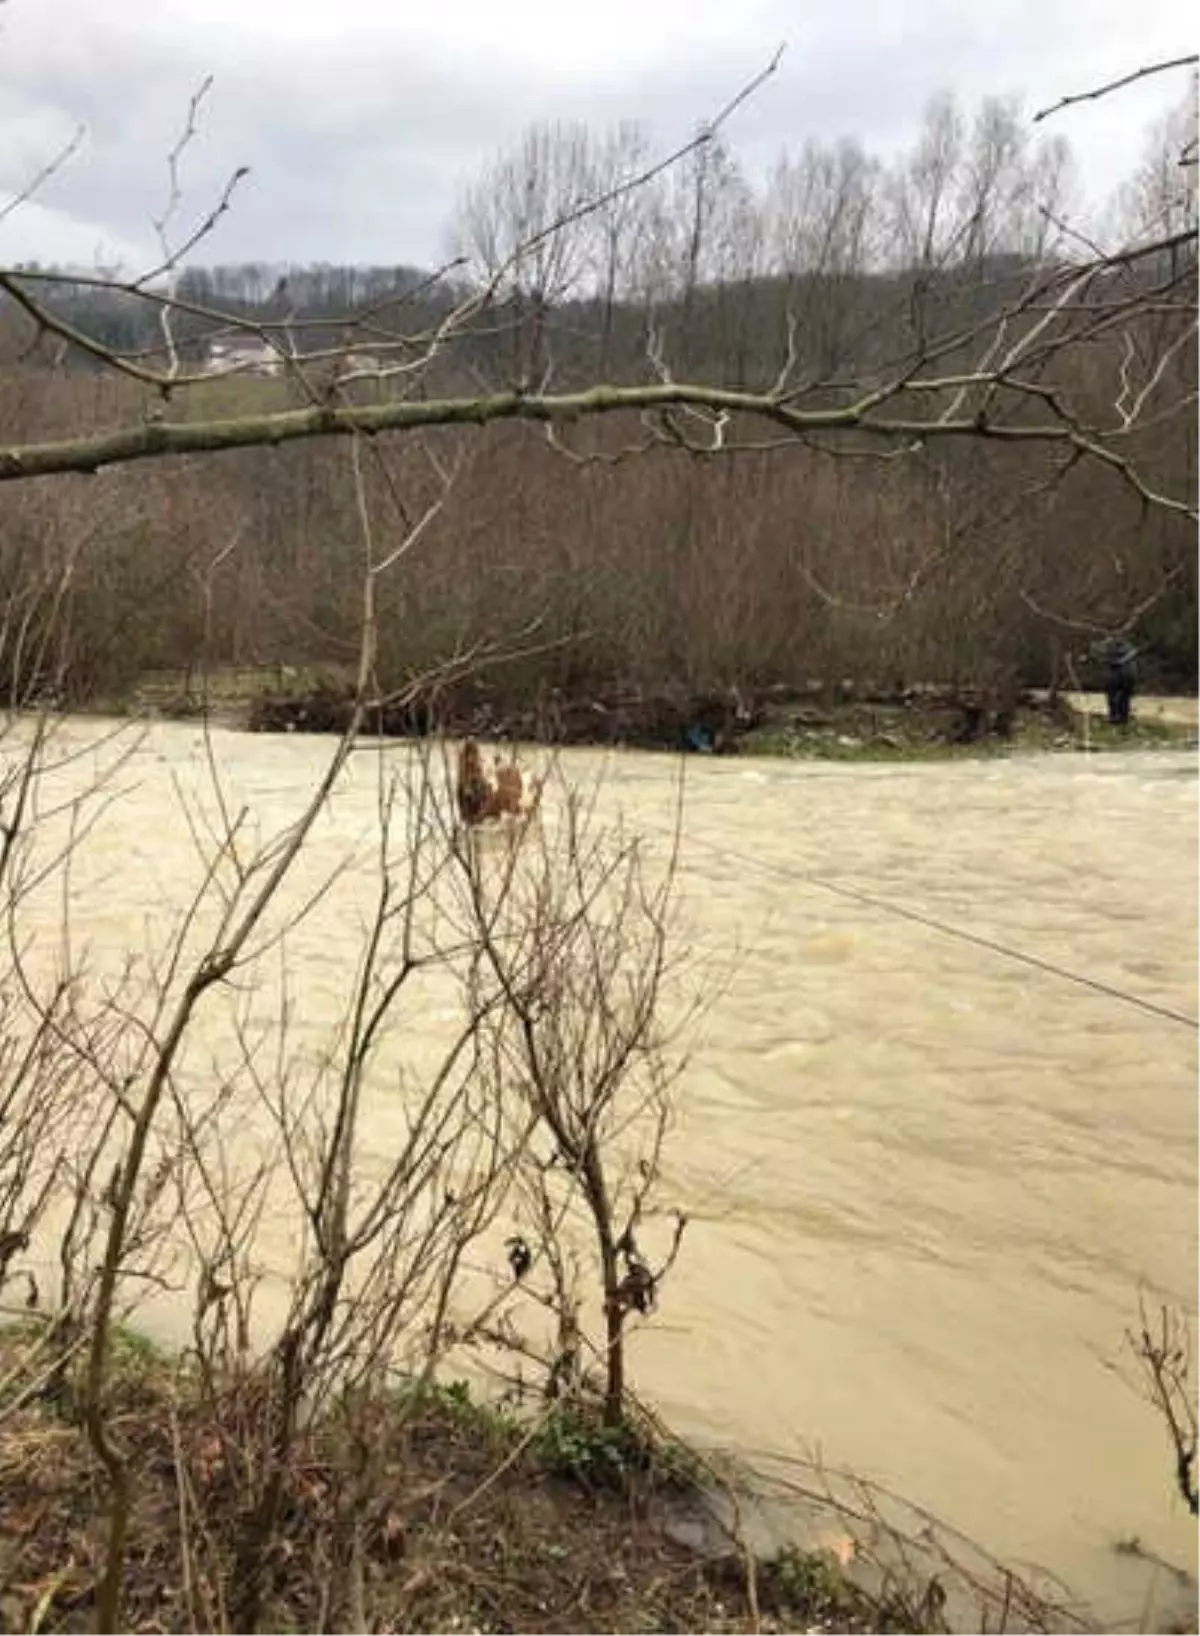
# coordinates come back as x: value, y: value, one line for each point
x: 1120, y: 680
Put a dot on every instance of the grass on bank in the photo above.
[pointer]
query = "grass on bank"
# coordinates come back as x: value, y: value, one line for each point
x: 867, y: 732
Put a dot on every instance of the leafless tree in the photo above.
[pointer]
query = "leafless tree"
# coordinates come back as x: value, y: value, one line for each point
x: 521, y: 227
x: 923, y: 187
x: 619, y: 226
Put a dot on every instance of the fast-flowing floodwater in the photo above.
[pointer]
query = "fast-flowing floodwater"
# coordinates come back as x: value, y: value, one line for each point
x: 927, y: 1178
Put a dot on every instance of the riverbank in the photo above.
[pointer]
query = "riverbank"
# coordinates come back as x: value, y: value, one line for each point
x: 818, y: 722
x: 935, y: 728
x: 469, y: 1519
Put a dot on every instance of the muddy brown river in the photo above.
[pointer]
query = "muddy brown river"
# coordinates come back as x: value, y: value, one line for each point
x: 927, y: 1177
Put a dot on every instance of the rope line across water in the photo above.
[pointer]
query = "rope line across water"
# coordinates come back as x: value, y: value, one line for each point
x: 1006, y: 951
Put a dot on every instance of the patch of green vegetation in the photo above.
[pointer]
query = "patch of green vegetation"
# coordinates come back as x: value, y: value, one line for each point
x: 814, y: 1585
x: 41, y: 1360
x: 453, y: 1401
x: 571, y: 1442
x: 574, y: 1442
x: 134, y: 1350
x: 809, y: 1579
x: 19, y: 1338
x: 1143, y: 732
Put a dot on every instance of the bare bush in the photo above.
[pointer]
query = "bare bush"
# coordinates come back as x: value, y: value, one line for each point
x: 1163, y: 1349
x: 572, y: 925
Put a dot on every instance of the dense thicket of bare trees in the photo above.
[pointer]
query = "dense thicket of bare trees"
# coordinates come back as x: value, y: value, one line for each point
x: 946, y: 286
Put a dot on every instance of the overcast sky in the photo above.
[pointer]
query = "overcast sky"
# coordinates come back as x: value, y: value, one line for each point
x: 361, y: 119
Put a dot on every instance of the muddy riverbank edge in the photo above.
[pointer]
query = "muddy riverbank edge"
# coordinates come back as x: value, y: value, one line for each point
x: 476, y: 1519
x: 833, y: 722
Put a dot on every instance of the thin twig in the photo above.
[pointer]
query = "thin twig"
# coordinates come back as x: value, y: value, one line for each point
x: 43, y: 175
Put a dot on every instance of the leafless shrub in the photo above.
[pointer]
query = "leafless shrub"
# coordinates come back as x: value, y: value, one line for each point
x: 1163, y: 1350
x: 572, y: 920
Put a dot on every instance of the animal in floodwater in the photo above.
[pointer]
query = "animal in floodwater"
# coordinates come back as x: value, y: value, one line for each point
x: 510, y: 787
x: 474, y: 792
x: 480, y: 799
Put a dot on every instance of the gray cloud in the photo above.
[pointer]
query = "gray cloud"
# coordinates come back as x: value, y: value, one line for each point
x: 360, y: 120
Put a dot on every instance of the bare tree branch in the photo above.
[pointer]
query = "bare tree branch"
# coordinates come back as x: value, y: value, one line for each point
x: 1118, y: 84
x: 32, y: 187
